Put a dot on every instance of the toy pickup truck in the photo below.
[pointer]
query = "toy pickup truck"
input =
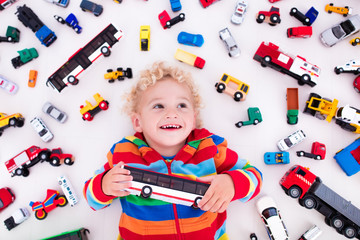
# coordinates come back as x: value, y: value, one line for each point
x: 292, y: 99
x: 14, y: 120
x: 25, y: 55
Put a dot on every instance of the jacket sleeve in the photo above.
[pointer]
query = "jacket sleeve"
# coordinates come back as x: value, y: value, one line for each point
x: 247, y: 178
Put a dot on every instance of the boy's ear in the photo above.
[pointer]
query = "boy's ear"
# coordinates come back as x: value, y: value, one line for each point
x: 136, y: 122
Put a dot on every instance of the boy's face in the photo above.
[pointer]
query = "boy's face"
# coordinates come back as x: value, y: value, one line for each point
x: 165, y: 116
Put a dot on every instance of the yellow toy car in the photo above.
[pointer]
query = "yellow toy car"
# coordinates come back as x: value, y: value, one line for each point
x: 341, y: 10
x: 233, y: 87
x: 14, y: 120
x: 119, y: 74
x: 88, y: 111
x: 145, y: 38
x: 355, y: 41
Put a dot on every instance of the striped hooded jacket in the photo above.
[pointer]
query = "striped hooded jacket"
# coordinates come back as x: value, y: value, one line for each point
x: 204, y: 154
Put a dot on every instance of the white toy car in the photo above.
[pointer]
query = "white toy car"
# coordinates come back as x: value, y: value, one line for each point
x: 240, y: 10
x: 61, y: 3
x: 270, y: 215
x: 40, y: 127
x: 353, y: 66
x: 8, y: 86
x: 292, y: 140
x: 68, y: 190
x: 340, y: 31
x: 16, y: 218
x: 230, y: 43
x: 54, y: 112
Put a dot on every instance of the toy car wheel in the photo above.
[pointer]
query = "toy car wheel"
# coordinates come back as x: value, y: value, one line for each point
x: 238, y: 96
x: 349, y: 232
x: 19, y: 172
x: 260, y: 18
x: 168, y: 24
x: 305, y: 78
x: 129, y: 73
x: 293, y: 11
x: 337, y: 222
x: 267, y: 59
x: 77, y: 30
x: 294, y: 191
x: 253, y: 236
x: 103, y: 105
x: 68, y: 161
x: 119, y: 69
x: 196, y: 203
x: 220, y: 87
x: 55, y: 161
x: 20, y: 123
x: 357, y: 40
x: 300, y: 153
x: 318, y: 157
x: 307, y: 21
x: 40, y: 214
x: 73, y: 80
x: 87, y: 116
x: 109, y: 70
x: 10, y: 39
x: 59, y: 19
x: 339, y: 70
x: 357, y: 71
x: 105, y: 51
x: 274, y: 18
x: 61, y: 201
x: 12, y: 122
x: 239, y: 124
x: 309, y: 202
x: 182, y: 16
x: 146, y: 192
x: 44, y: 156
x: 256, y: 121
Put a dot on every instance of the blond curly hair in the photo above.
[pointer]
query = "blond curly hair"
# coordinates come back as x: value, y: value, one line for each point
x: 157, y: 72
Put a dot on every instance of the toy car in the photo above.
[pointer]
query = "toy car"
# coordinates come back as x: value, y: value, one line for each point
x: 299, y: 32
x: 190, y: 39
x: 89, y: 6
x: 12, y: 35
x: 313, y: 233
x: 306, y: 19
x: 89, y: 111
x: 40, y: 127
x: 144, y: 38
x: 341, y: 10
x: 175, y: 5
x: 206, y: 3
x: 253, y: 236
x: 271, y: 217
x: 230, y: 43
x: 6, y: 197
x: 318, y: 151
x: 355, y: 41
x: 57, y: 157
x: 356, y: 84
x: 14, y: 120
x: 189, y: 58
x: 32, y: 78
x: 70, y: 21
x: 168, y: 22
x: 240, y: 10
x: 9, y: 86
x: 61, y: 3
x: 293, y: 139
x: 353, y: 66
x: 68, y: 190
x: 16, y: 218
x: 272, y: 17
x: 276, y: 158
x: 348, y: 158
x: 340, y: 31
x: 53, y: 199
x: 54, y: 112
x: 25, y: 55
x: 233, y: 87
x: 119, y: 74
x: 254, y: 115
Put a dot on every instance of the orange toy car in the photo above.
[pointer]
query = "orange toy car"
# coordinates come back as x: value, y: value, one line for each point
x: 341, y: 10
x: 32, y: 78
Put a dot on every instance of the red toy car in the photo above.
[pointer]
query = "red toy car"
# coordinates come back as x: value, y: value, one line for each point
x: 272, y: 1
x: 167, y: 22
x: 357, y: 84
x: 52, y: 200
x: 299, y: 32
x: 6, y: 197
x: 272, y: 17
x: 206, y: 3
x: 57, y: 157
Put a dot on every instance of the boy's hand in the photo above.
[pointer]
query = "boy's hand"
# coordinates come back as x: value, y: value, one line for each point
x: 116, y: 180
x: 219, y: 194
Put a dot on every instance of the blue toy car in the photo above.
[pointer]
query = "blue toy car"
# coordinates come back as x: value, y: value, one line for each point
x: 349, y: 158
x: 71, y: 21
x: 175, y: 5
x: 312, y: 14
x: 276, y: 158
x: 89, y: 6
x: 190, y: 39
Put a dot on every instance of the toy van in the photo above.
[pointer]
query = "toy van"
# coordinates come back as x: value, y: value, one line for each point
x: 233, y: 87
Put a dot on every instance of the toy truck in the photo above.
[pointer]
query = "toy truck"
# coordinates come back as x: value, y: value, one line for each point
x: 189, y: 58
x: 268, y: 54
x: 349, y: 158
x: 348, y: 118
x: 321, y: 108
x: 70, y: 21
x: 299, y: 182
x: 31, y: 20
x: 12, y: 35
x: 89, y: 111
x: 14, y: 120
x: 292, y: 99
x: 318, y: 151
x: 25, y: 55
x: 17, y: 218
x: 254, y: 117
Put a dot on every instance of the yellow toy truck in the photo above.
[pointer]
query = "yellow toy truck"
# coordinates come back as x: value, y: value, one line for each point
x: 14, y: 120
x: 322, y: 108
x: 233, y: 87
x: 89, y: 111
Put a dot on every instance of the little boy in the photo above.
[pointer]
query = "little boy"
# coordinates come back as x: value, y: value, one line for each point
x: 164, y: 109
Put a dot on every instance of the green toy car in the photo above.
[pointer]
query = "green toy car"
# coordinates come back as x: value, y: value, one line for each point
x: 25, y: 55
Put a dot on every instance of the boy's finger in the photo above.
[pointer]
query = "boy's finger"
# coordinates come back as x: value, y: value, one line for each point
x: 209, y: 193
x: 207, y: 179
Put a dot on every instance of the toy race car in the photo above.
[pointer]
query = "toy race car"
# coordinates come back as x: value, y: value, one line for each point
x: 119, y: 74
x: 276, y: 158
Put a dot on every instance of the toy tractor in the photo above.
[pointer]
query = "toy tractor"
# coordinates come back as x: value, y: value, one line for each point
x: 89, y: 111
x: 321, y: 108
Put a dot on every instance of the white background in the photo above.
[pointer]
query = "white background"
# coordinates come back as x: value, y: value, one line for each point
x: 89, y: 142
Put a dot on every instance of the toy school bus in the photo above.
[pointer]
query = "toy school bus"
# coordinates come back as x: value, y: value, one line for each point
x: 233, y: 87
x: 169, y: 188
x: 84, y: 57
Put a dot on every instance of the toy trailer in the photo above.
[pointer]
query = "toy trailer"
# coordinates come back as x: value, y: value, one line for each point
x: 169, y: 188
x: 254, y: 115
x: 321, y: 108
x: 298, y: 182
x: 292, y: 99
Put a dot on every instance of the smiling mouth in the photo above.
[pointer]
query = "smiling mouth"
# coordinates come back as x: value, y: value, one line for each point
x: 171, y: 126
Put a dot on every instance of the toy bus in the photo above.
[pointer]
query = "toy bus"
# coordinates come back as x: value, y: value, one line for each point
x: 169, y: 188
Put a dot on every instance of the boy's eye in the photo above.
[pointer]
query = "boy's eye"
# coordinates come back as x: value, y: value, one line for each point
x: 182, y: 105
x: 158, y: 106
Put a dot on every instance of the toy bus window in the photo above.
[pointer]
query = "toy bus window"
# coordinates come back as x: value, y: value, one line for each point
x: 224, y: 78
x: 84, y: 61
x: 201, y: 189
x: 164, y: 182
x: 301, y: 172
x: 189, y: 187
x: 137, y: 176
x: 97, y: 42
x: 150, y: 178
x: 176, y: 184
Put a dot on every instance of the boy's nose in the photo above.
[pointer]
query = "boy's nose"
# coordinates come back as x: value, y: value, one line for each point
x: 171, y: 114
